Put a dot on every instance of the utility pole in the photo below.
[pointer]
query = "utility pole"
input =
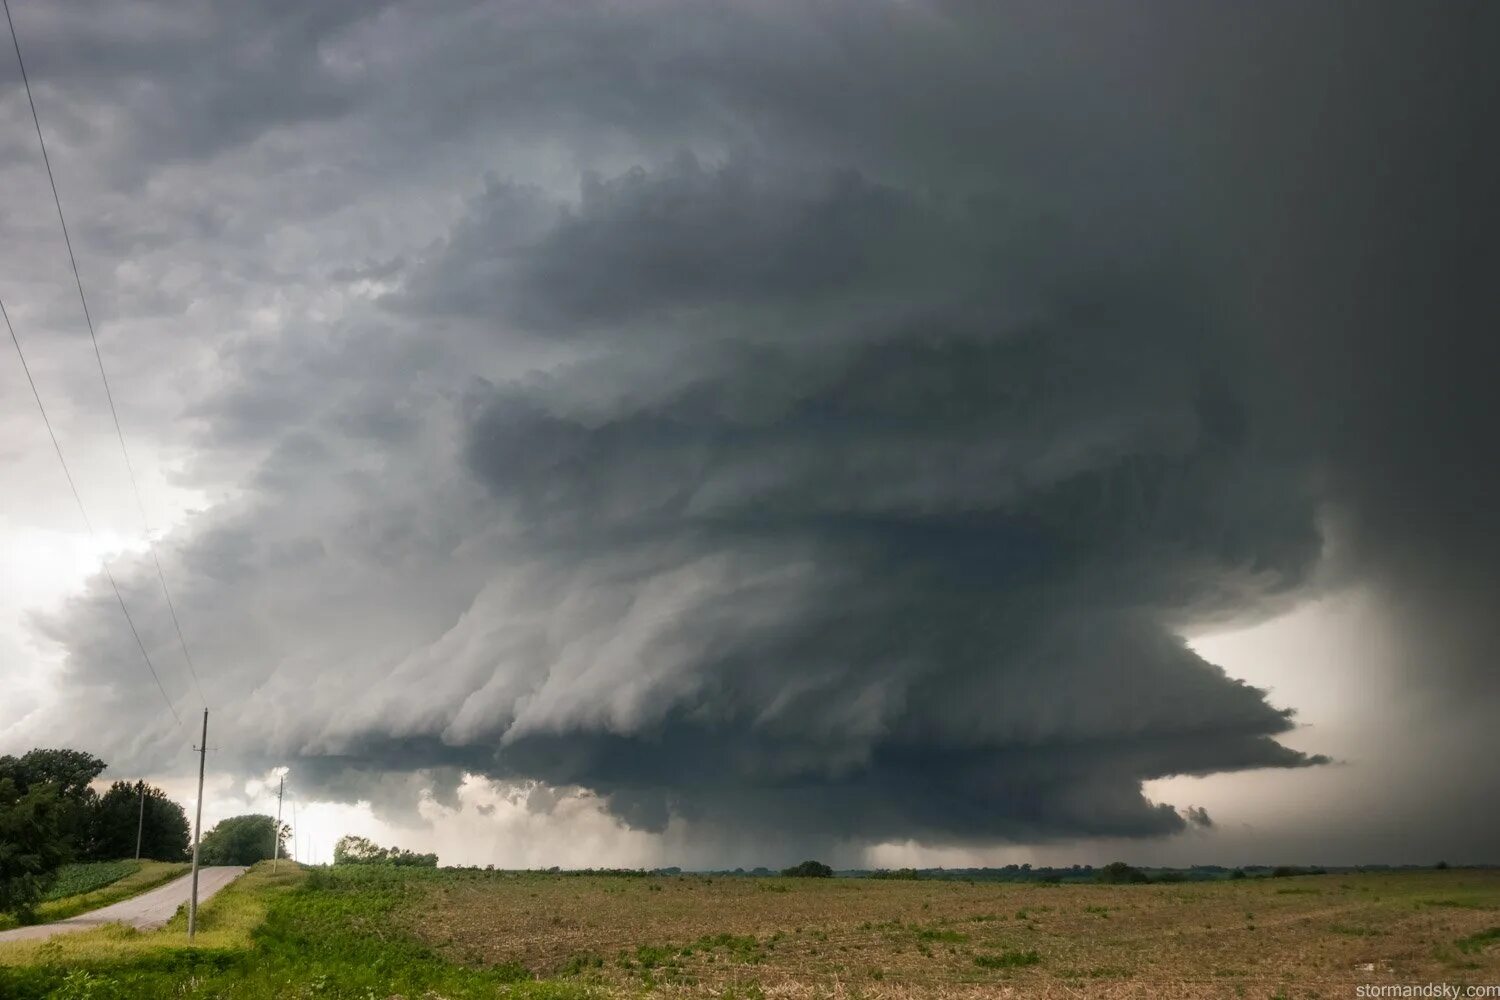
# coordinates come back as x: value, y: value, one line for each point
x: 140, y: 823
x: 276, y: 833
x: 296, y: 834
x: 198, y: 831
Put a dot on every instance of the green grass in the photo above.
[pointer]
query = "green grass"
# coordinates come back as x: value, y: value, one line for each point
x: 1474, y: 902
x: 741, y: 947
x: 1354, y: 931
x: 265, y: 937
x: 1007, y: 960
x: 1480, y: 941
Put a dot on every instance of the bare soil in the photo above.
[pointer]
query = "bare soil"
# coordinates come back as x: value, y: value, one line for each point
x: 697, y: 936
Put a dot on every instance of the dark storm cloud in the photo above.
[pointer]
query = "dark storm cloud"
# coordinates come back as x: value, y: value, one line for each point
x: 890, y: 542
x: 913, y: 375
x: 1373, y: 279
x: 194, y: 78
x: 686, y: 236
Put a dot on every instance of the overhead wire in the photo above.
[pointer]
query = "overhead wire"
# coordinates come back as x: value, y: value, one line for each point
x: 99, y: 357
x: 83, y: 512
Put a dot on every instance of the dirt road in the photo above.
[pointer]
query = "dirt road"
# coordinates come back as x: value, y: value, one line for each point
x: 147, y: 911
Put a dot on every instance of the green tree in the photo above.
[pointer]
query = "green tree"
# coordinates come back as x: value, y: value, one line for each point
x: 354, y: 850
x: 809, y: 869
x: 69, y: 773
x: 411, y: 859
x: 243, y: 840
x: 45, y: 805
x: 31, y: 845
x: 163, y: 824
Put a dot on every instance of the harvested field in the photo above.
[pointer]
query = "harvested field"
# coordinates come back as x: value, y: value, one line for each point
x: 1309, y: 936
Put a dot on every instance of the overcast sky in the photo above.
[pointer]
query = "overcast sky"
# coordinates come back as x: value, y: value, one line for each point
x: 724, y: 433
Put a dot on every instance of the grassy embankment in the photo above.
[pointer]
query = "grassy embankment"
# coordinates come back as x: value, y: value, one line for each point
x: 421, y: 934
x: 89, y: 885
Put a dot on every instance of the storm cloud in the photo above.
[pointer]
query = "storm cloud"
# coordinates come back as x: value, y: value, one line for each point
x: 821, y: 422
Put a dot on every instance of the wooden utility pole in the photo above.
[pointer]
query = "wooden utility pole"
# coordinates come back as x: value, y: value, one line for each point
x: 276, y: 833
x: 198, y: 831
x: 140, y: 823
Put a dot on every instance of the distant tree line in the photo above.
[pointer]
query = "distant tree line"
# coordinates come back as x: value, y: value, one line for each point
x: 897, y: 873
x: 353, y: 850
x: 50, y: 814
x: 1118, y: 873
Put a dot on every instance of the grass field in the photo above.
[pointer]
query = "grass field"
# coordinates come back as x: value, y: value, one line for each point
x: 90, y: 885
x: 436, y: 935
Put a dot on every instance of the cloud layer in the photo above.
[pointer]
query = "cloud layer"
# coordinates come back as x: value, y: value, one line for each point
x: 802, y: 422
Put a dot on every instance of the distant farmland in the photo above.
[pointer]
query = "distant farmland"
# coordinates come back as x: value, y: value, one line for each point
x: 463, y: 934
x: 724, y: 936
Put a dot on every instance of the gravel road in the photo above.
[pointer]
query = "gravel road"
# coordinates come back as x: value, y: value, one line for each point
x: 147, y: 911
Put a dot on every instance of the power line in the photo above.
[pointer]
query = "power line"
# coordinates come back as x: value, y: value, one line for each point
x: 98, y: 356
x: 73, y: 486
